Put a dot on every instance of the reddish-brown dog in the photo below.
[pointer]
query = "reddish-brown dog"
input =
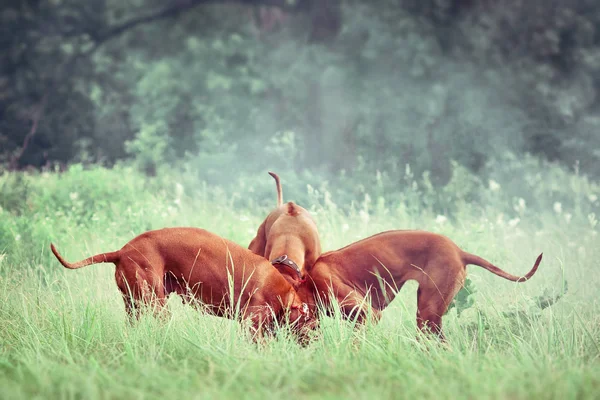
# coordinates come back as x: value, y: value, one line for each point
x: 289, y: 238
x: 197, y: 264
x: 365, y: 276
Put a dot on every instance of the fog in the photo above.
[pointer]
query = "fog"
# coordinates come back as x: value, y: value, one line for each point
x: 324, y: 91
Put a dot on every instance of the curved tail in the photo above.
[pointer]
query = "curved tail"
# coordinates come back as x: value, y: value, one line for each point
x: 279, y: 192
x: 469, y: 258
x: 112, y: 257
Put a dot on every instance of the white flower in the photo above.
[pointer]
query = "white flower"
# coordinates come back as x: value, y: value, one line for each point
x: 494, y: 186
x: 364, y: 216
x: 500, y: 219
x: 440, y: 219
x: 244, y: 218
x: 514, y: 222
x: 17, y: 238
x: 568, y: 217
x: 557, y: 207
x: 520, y: 206
x: 592, y: 219
x: 73, y: 196
x: 592, y: 198
x: 178, y: 190
x: 345, y: 227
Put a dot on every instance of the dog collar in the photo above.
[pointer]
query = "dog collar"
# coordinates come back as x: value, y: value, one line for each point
x: 285, y: 260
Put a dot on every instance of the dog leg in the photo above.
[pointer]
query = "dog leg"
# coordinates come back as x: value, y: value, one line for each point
x: 432, y: 302
x: 139, y: 292
x: 358, y: 308
x: 261, y: 324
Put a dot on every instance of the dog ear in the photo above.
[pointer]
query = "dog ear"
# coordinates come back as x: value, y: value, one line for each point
x: 257, y: 245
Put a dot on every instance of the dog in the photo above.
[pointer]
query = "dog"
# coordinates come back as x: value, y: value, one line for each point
x: 364, y: 277
x: 199, y: 265
x: 289, y: 238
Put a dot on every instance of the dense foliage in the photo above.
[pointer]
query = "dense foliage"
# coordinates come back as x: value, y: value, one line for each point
x: 333, y: 87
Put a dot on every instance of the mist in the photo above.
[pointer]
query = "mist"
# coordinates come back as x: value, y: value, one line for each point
x: 333, y: 93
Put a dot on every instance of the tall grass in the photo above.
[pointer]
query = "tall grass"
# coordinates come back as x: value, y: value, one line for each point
x: 64, y: 333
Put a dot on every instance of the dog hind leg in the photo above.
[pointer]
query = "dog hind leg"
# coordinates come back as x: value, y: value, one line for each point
x: 433, y: 299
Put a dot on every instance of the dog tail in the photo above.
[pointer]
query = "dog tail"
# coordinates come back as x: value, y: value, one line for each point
x: 112, y: 257
x: 469, y: 258
x: 292, y: 209
x: 279, y: 191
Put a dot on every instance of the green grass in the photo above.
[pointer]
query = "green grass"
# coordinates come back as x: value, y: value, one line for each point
x: 63, y: 334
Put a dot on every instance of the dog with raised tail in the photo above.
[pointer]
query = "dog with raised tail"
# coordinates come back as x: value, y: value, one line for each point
x: 229, y: 280
x: 365, y: 276
x: 289, y: 238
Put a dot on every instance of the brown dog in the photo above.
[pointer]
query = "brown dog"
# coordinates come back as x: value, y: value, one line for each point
x: 365, y: 276
x: 197, y: 264
x: 289, y: 238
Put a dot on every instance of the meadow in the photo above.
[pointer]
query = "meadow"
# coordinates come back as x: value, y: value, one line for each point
x: 63, y: 334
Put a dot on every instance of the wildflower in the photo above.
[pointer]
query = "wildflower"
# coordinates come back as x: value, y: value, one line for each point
x: 520, y: 206
x: 493, y: 185
x: 557, y: 207
x: 178, y: 190
x: 440, y: 219
x: 364, y: 216
x: 568, y: 217
x: 73, y: 196
x: 345, y: 227
x: 514, y: 222
x: 592, y: 219
x: 592, y: 198
x: 244, y: 218
x: 17, y: 237
x: 500, y: 219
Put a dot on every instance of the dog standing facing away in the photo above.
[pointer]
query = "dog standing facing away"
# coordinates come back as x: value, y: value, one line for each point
x: 365, y: 276
x: 199, y: 265
x: 289, y: 238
